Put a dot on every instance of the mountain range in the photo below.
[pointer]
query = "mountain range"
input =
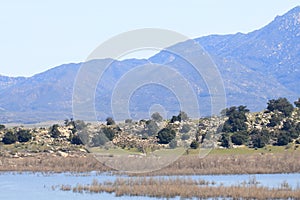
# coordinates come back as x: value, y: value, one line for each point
x: 255, y: 67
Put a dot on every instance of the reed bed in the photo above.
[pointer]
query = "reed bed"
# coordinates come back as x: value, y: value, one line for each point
x: 287, y: 162
x: 269, y: 163
x: 183, y: 187
x: 50, y: 163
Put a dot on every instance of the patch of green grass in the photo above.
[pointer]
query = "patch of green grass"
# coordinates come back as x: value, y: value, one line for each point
x: 218, y: 151
x: 174, y: 152
x: 114, y: 151
x: 247, y: 150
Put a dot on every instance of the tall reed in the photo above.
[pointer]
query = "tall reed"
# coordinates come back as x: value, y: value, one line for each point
x: 184, y: 187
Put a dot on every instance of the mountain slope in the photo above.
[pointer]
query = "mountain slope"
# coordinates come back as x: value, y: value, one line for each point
x: 6, y: 82
x: 255, y: 67
x: 273, y: 51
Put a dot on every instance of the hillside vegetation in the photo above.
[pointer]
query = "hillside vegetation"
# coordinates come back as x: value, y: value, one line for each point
x: 277, y: 125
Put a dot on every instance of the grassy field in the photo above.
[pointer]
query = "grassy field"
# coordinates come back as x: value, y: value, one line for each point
x: 114, y: 151
x: 242, y: 150
x: 247, y: 150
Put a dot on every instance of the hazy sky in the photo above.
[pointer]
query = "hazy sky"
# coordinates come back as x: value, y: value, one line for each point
x: 38, y: 35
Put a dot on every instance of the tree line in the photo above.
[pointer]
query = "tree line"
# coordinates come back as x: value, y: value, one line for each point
x: 282, y: 127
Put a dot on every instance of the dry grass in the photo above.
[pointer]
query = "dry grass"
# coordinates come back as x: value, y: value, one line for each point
x: 183, y: 187
x: 50, y: 163
x: 288, y: 162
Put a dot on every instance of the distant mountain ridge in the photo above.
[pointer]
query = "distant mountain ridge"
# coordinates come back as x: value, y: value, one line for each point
x: 272, y: 50
x: 255, y: 67
x: 6, y: 81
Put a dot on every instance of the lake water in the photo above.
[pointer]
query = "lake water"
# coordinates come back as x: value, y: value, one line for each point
x: 14, y: 186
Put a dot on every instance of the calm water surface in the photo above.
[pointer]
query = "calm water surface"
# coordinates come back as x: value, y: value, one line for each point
x: 14, y: 186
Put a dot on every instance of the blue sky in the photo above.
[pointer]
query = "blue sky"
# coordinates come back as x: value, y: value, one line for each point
x: 38, y: 35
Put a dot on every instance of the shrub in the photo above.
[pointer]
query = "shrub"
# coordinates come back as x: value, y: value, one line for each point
x: 183, y: 116
x: 99, y: 139
x: 54, y: 132
x: 128, y: 121
x: 297, y: 103
x: 80, y: 125
x: 24, y: 135
x: 166, y: 135
x: 156, y: 117
x: 151, y: 127
x: 109, y: 133
x: 110, y: 121
x: 2, y: 127
x: 9, y: 138
x: 175, y: 119
x: 194, y: 144
x: 185, y: 137
x: 76, y: 140
x: 173, y: 144
x: 185, y: 128
x: 84, y: 137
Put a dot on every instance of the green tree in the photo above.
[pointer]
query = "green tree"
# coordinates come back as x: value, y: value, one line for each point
x: 24, y: 135
x: 288, y: 125
x: 282, y: 105
x: 236, y: 119
x: 156, y: 117
x: 291, y: 128
x: 275, y: 120
x: 225, y: 140
x: 166, y: 135
x: 239, y: 138
x: 9, y: 138
x: 283, y: 138
x: 194, y: 144
x: 260, y: 138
